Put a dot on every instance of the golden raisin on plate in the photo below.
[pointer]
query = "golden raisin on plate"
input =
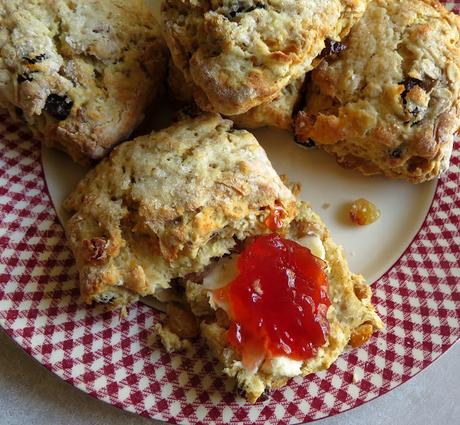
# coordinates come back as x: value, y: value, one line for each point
x: 363, y: 212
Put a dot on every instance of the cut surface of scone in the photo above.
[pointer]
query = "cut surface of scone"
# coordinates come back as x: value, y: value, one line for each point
x: 240, y: 54
x: 282, y: 305
x: 390, y: 103
x: 277, y: 113
x: 81, y: 74
x: 162, y: 206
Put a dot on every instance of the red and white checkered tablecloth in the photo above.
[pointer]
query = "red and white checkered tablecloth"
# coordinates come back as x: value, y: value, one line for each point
x: 119, y: 361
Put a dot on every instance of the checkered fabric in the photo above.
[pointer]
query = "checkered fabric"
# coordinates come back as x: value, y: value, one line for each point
x: 120, y: 362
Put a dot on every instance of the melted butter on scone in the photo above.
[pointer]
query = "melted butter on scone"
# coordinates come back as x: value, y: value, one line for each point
x: 222, y: 273
x: 283, y: 366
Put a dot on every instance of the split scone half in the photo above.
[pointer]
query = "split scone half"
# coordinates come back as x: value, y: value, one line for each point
x: 163, y: 206
x: 240, y: 54
x: 81, y: 74
x: 280, y: 305
x: 278, y: 113
x: 390, y: 103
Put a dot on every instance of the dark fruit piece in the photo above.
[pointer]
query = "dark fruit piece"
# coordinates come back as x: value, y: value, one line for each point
x: 332, y: 47
x: 24, y: 77
x: 309, y: 143
x: 36, y: 59
x: 58, y: 107
x: 409, y: 83
x: 396, y: 153
x: 243, y: 7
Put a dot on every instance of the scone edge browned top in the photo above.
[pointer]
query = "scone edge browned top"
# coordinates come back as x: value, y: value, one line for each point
x: 162, y: 206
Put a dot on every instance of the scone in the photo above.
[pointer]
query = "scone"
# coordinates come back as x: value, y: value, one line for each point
x: 276, y: 113
x: 80, y: 74
x: 281, y: 305
x: 240, y: 54
x: 164, y: 205
x: 390, y: 103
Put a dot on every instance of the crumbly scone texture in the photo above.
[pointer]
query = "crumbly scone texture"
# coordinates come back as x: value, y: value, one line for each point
x: 240, y: 54
x: 351, y: 316
x: 163, y: 205
x: 276, y: 113
x: 390, y: 103
x: 79, y: 73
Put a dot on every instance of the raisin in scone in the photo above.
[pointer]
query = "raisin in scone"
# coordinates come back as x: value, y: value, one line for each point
x: 80, y: 74
x: 240, y: 54
x: 276, y: 113
x: 281, y: 305
x: 164, y: 205
x: 390, y: 103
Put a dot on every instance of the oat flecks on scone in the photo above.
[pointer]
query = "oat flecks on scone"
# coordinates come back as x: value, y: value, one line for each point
x: 80, y: 73
x: 390, y: 103
x: 240, y: 54
x: 162, y: 206
x: 351, y: 316
x: 276, y: 113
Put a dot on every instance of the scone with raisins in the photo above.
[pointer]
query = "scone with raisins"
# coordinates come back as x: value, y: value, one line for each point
x: 282, y: 305
x: 276, y: 113
x: 390, y: 103
x: 81, y: 74
x: 182, y: 215
x: 164, y: 205
x: 240, y: 54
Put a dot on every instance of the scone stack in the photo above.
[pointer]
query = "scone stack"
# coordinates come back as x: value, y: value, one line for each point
x: 194, y: 215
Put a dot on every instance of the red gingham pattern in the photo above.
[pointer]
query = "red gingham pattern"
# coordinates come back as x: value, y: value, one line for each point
x: 119, y: 360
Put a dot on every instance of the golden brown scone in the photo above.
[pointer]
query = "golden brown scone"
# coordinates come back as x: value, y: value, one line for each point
x: 276, y: 113
x: 240, y: 54
x: 352, y: 318
x: 81, y: 74
x: 390, y: 103
x: 162, y: 206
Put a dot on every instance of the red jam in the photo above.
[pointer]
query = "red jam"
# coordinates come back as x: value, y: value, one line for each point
x: 275, y: 219
x: 278, y: 302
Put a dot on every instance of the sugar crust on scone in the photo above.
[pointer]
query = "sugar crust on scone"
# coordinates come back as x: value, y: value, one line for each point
x: 238, y: 55
x: 351, y: 316
x: 81, y: 74
x: 390, y: 103
x: 163, y: 205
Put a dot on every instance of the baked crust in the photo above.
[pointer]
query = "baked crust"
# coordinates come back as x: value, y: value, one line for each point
x: 238, y: 55
x: 80, y: 74
x: 352, y: 317
x: 276, y: 113
x: 390, y: 103
x: 163, y: 205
